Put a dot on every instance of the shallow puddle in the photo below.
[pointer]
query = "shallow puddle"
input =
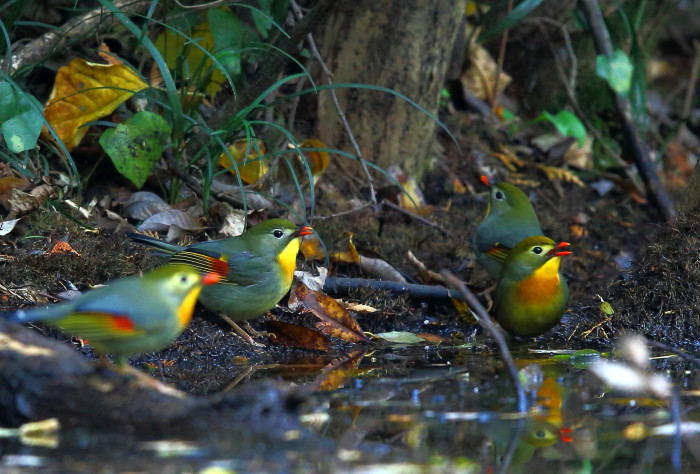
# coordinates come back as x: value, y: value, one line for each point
x: 419, y: 408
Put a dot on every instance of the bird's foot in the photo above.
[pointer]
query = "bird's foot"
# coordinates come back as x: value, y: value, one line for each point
x: 247, y: 337
x: 148, y: 381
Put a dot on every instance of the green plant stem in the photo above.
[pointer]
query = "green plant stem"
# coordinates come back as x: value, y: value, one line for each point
x: 273, y: 64
x: 640, y: 150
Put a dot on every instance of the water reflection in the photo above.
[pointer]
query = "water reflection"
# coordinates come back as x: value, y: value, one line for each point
x: 404, y: 408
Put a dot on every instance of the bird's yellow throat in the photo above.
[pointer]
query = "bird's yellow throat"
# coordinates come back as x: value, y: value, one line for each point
x: 287, y: 259
x: 542, y: 285
x: 184, y: 314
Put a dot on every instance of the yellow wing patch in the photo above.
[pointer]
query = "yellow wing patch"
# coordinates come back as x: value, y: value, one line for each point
x: 498, y: 252
x: 202, y: 261
x: 99, y: 325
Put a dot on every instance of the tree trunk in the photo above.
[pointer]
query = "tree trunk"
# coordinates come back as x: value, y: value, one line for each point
x: 401, y: 45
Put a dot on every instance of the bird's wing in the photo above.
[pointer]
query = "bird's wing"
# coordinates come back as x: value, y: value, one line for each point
x: 498, y: 252
x: 204, y: 261
x: 246, y: 268
x: 122, y: 309
x: 92, y: 325
x: 242, y: 267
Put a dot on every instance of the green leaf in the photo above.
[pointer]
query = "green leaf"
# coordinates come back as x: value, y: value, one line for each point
x: 584, y: 358
x: 263, y: 20
x: 400, y: 337
x: 567, y: 124
x: 617, y: 69
x: 227, y: 31
x: 135, y: 145
x: 20, y: 118
x: 513, y: 18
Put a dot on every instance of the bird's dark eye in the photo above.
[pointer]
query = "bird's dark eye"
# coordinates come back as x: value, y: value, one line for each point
x: 537, y: 250
x: 184, y: 279
x: 279, y: 233
x: 499, y: 196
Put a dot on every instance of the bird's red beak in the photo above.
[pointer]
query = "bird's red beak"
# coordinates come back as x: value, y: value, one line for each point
x: 557, y: 252
x: 211, y: 278
x: 306, y: 230
x: 485, y: 180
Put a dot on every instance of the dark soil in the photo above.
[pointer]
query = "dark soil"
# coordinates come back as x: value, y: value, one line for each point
x: 605, y: 232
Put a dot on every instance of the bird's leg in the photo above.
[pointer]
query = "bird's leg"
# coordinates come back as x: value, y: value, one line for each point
x: 148, y: 381
x: 252, y: 331
x: 241, y: 332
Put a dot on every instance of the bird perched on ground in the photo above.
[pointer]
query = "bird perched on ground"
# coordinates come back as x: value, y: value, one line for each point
x: 261, y: 263
x: 128, y: 316
x: 531, y: 295
x: 509, y: 219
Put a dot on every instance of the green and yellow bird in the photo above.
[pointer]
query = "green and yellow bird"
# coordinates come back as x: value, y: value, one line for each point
x: 531, y: 294
x: 130, y: 315
x: 261, y: 264
x: 509, y: 219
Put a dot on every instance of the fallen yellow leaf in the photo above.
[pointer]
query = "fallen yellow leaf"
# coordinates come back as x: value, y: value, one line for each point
x: 84, y: 92
x: 252, y: 166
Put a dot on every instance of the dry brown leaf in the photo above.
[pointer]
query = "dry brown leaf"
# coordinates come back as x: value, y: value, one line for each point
x: 554, y: 173
x: 480, y: 76
x: 144, y: 204
x: 84, y: 92
x: 348, y: 256
x: 22, y: 203
x: 293, y: 335
x: 509, y: 159
x: 62, y: 247
x: 162, y: 221
x: 103, y: 52
x: 334, y: 319
x: 318, y: 161
x: 463, y: 309
x: 8, y: 184
x: 458, y: 186
x: 428, y: 337
x: 311, y: 248
x: 358, y: 307
x: 380, y: 269
x: 338, y: 371
x: 580, y: 157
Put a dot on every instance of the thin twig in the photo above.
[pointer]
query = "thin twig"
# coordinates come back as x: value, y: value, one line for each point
x: 570, y: 88
x: 416, y: 217
x: 678, y: 352
x: 252, y: 200
x: 485, y: 320
x: 501, y: 58
x: 339, y: 110
x: 96, y: 20
x: 342, y: 213
x: 692, y: 81
x: 640, y: 150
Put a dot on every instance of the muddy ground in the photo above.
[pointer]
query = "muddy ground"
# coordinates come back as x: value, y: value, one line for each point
x: 652, y: 289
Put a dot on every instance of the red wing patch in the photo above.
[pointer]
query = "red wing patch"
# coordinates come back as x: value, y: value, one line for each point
x: 96, y: 326
x: 204, y: 262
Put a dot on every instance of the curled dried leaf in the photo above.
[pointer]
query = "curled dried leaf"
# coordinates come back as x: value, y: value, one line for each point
x: 334, y: 319
x: 293, y: 335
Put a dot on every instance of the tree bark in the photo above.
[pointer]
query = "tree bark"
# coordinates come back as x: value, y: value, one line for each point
x: 43, y: 378
x: 401, y: 45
